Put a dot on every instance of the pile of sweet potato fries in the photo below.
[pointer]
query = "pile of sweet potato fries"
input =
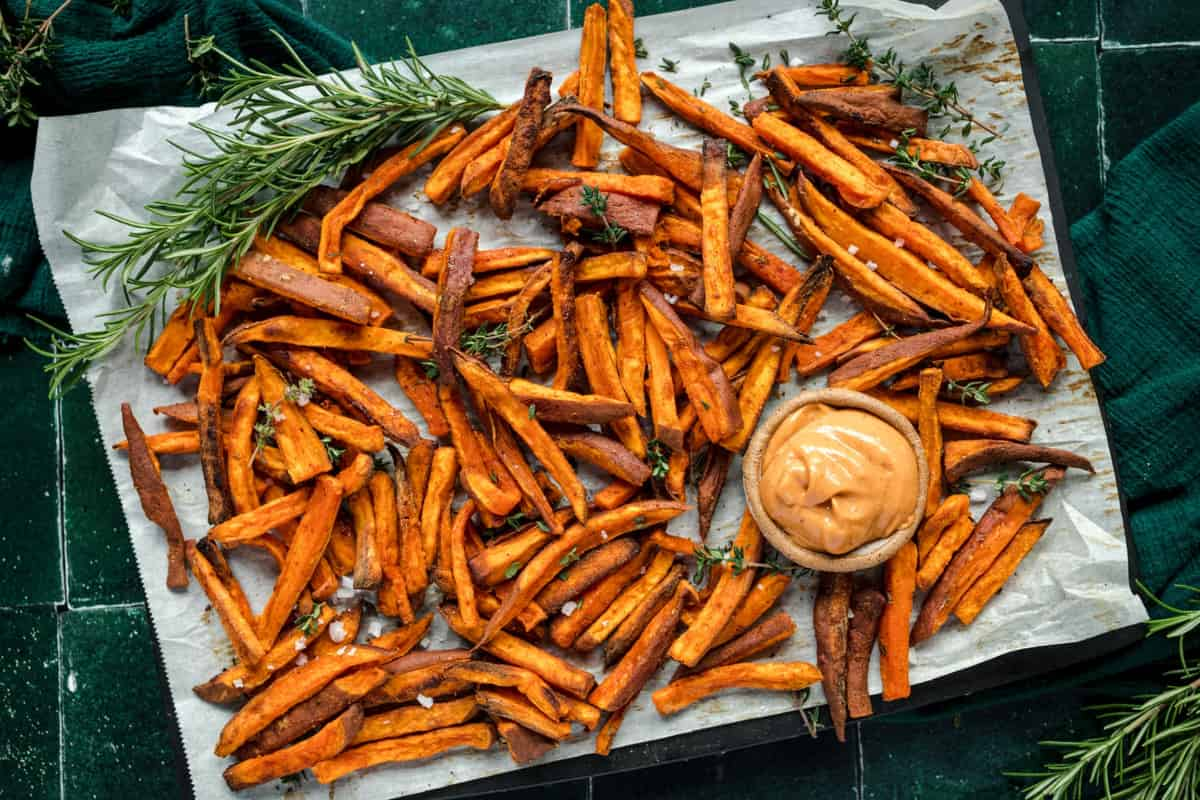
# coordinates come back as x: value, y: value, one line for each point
x: 304, y: 460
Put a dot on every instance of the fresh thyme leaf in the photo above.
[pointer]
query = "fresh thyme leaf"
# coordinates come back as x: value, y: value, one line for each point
x: 25, y: 48
x: 1028, y: 483
x: 542, y: 526
x: 431, y: 368
x: 976, y: 391
x: 295, y: 779
x: 334, y: 453
x: 511, y: 571
x: 659, y: 458
x: 300, y: 392
x: 487, y: 341
x: 708, y: 557
x: 734, y: 157
x: 667, y: 65
x: 959, y: 487
x: 308, y: 623
x: 264, y: 428
x: 597, y: 202
x: 743, y: 60
x: 704, y: 87
x: 516, y: 519
x: 570, y: 558
x: 532, y: 411
x: 639, y: 520
x: 735, y: 110
x: 292, y: 129
x: 639, y: 49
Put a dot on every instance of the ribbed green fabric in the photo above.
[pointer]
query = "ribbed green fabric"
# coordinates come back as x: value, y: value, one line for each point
x: 104, y: 61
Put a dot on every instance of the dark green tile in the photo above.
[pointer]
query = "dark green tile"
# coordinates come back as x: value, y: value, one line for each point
x: 800, y: 767
x: 379, y: 26
x: 1127, y: 22
x: 30, y: 555
x: 116, y: 737
x: 965, y: 755
x: 644, y: 8
x: 1057, y: 19
x: 29, y: 703
x: 100, y: 562
x: 1067, y: 76
x: 1137, y: 97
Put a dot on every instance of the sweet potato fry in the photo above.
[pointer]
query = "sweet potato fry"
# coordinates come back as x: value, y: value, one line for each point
x: 631, y: 344
x: 509, y: 452
x: 453, y: 284
x: 614, y: 494
x: 625, y: 681
x: 475, y: 735
x: 866, y: 608
x: 509, y: 704
x: 964, y: 456
x: 447, y: 174
x: 705, y: 382
x: 489, y: 564
x: 566, y: 628
x: 831, y: 626
x: 681, y: 164
x: 246, y: 644
x: 646, y: 187
x: 712, y: 483
x: 367, y: 438
x: 378, y: 222
x: 990, y: 582
x: 978, y: 422
x: 866, y: 107
x: 730, y: 590
x: 741, y: 214
x: 371, y: 262
x: 930, y: 430
x: 963, y: 218
x: 176, y: 336
x: 605, y: 453
x: 518, y: 317
x: 899, y: 583
x: 926, y: 245
x: 527, y: 683
x: 1043, y: 355
x: 421, y: 390
x: 818, y: 75
x: 562, y: 300
x: 998, y: 526
x: 1053, y: 308
x: 627, y: 93
x: 522, y: 143
x: 333, y: 334
x: 950, y: 509
x: 661, y: 389
x: 714, y: 233
x: 438, y: 494
x: 392, y: 169
x: 464, y: 587
x: 777, y: 676
x: 326, y: 743
x: 853, y: 186
x: 349, y: 392
x: 592, y: 52
x: 709, y: 119
x: 766, y: 266
x: 525, y: 425
x: 307, y: 546
x: 611, y: 618
x: 884, y: 141
x: 755, y: 640
x: 608, y: 731
x: 634, y: 214
x: 261, y: 519
x: 421, y: 672
x: 259, y: 269
x: 401, y: 640
x: 940, y: 553
x: 303, y: 454
x: 1011, y: 232
x: 211, y: 432
x: 762, y: 595
x: 155, y: 500
x: 524, y: 746
x: 481, y: 171
x: 824, y: 350
x: 368, y: 566
x: 518, y: 652
x: 623, y: 638
x: 600, y: 364
x: 407, y: 720
x: 484, y: 478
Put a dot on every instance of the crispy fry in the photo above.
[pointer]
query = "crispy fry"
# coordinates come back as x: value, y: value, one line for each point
x: 954, y: 416
x: 528, y: 683
x: 730, y: 590
x: 866, y: 106
x: 627, y: 94
x: 421, y: 391
x: 403, y: 639
x: 438, y: 494
x: 378, y: 222
x: 884, y: 141
x: 1043, y: 355
x: 749, y: 196
x: 176, y: 336
x: 1053, y: 309
x: 154, y: 497
x: 348, y: 391
x: 610, y: 619
x: 646, y: 187
x: 522, y: 143
x: 307, y: 546
x: 259, y: 269
x: 368, y: 566
x: 509, y: 452
x: 608, y: 731
x: 216, y: 558
x: 303, y: 454
x: 824, y: 350
x: 326, y: 743
x: 261, y: 519
x: 523, y: 744
x: 853, y: 186
x: 489, y: 564
x: 634, y: 214
x: 421, y: 672
x: 509, y: 704
x: 208, y: 411
x: 525, y: 425
x: 464, y: 587
x: 661, y: 389
x: 899, y: 583
x: 631, y: 344
x: 990, y: 582
x: 518, y: 317
x: 930, y: 430
x: 367, y: 438
x: 1011, y: 232
x: 904, y: 232
x: 965, y: 456
x: 481, y: 171
x: 592, y: 53
x: 755, y: 640
x: 762, y: 595
x: 625, y: 681
x: 681, y: 164
x: 240, y: 630
x: 778, y: 676
x: 328, y: 333
x: 831, y: 626
x: 951, y: 508
x: 714, y: 233
x: 817, y: 75
x: 600, y: 363
x: 940, y: 553
x: 407, y: 720
x: 605, y: 453
x: 562, y: 298
x: 623, y: 638
x: 866, y: 608
x: 566, y: 628
x: 518, y: 652
x: 476, y: 735
x: 712, y: 483
x: 614, y: 494
x: 447, y: 174
x: 484, y: 478
x: 453, y: 284
x: 992, y: 534
x: 402, y: 163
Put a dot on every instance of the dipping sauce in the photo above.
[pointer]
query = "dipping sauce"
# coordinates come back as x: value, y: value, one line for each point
x: 837, y: 478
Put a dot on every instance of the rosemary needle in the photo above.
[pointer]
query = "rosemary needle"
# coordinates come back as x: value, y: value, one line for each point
x: 291, y: 130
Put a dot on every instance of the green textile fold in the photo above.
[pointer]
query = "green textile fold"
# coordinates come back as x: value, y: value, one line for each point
x: 102, y: 60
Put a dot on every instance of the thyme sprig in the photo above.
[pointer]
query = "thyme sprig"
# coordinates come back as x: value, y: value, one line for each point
x: 264, y: 428
x: 667, y: 65
x: 597, y: 202
x: 291, y: 130
x: 743, y: 60
x: 307, y: 623
x: 25, y: 48
x: 939, y: 99
x: 639, y: 49
x: 659, y: 459
x: 486, y: 342
x: 976, y: 391
x: 708, y: 557
x: 1028, y: 483
x: 1150, y: 745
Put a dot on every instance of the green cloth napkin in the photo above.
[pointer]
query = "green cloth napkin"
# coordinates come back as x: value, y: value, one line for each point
x: 104, y: 60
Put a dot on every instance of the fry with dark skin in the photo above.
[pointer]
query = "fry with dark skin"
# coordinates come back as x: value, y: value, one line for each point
x: 453, y: 283
x: 518, y: 316
x: 964, y: 456
x: 749, y: 196
x: 155, y: 500
x: 831, y: 625
x: 564, y: 630
x: 523, y: 744
x: 555, y: 405
x: 208, y: 407
x: 992, y: 534
x: 421, y: 390
x: 988, y: 584
x: 509, y: 704
x: 368, y: 567
x: 522, y: 143
x: 444, y: 179
x: 777, y: 676
x: 562, y: 300
x: 605, y: 453
x: 529, y: 684
x: 866, y: 606
x: 712, y: 483
x: 632, y: 626
x: 625, y: 681
x: 266, y: 272
x: 681, y: 164
x: 611, y: 617
x: 579, y: 576
x: 480, y: 172
x: 378, y: 222
x: 755, y: 640
x: 326, y: 743
x: 899, y: 583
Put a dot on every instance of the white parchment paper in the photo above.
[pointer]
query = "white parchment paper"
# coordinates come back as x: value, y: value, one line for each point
x: 1072, y: 587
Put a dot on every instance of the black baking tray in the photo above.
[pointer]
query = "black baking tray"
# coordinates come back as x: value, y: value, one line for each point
x: 715, y: 741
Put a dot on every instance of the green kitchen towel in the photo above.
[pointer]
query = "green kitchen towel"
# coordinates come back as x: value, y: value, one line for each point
x: 105, y: 60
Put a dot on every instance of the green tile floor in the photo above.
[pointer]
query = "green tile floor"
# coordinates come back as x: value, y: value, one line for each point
x: 80, y: 699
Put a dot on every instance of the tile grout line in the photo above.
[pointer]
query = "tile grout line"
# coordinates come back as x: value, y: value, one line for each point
x: 1146, y: 45
x: 567, y: 3
x: 60, y: 470
x: 860, y: 782
x: 1100, y: 133
x: 62, y: 725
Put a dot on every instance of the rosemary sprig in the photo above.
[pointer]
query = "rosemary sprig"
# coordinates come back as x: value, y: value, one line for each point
x: 667, y: 65
x: 659, y: 459
x: 976, y: 391
x: 597, y: 203
x: 938, y: 99
x: 743, y: 60
x: 1150, y: 746
x: 1028, y: 483
x: 307, y: 623
x: 734, y: 157
x: 291, y: 130
x: 789, y: 241
x: 735, y: 557
x: 25, y: 47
